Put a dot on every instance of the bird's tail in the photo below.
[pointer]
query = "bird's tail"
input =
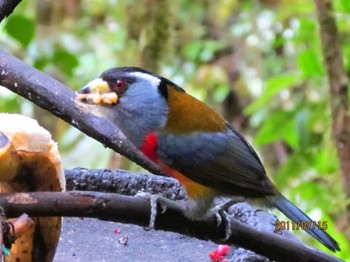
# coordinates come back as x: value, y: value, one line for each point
x: 311, y: 227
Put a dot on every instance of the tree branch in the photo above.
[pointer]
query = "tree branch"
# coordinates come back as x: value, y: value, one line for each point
x: 339, y: 89
x: 122, y: 182
x: 7, y: 7
x: 53, y: 96
x: 136, y: 210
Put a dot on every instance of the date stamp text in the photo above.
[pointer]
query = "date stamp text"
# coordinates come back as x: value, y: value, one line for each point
x: 303, y: 225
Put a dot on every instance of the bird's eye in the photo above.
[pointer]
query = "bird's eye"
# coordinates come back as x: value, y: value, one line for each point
x: 119, y: 85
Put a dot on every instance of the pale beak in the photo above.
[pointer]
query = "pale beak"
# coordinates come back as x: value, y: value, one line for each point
x: 95, y: 86
x: 97, y: 92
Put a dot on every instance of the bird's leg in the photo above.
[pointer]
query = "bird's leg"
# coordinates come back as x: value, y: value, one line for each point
x: 194, y: 210
x: 153, y: 198
x: 156, y: 200
x: 221, y: 214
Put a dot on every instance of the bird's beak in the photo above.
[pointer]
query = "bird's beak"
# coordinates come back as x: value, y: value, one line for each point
x: 97, y: 92
x: 97, y: 85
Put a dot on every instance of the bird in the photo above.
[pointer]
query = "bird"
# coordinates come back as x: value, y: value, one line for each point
x: 190, y: 142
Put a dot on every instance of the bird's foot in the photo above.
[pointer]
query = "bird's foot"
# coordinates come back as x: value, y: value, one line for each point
x: 155, y: 200
x: 222, y: 216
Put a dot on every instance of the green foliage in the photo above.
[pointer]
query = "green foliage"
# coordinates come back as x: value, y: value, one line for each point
x: 274, y: 85
x: 65, y: 61
x: 343, y: 5
x: 279, y: 126
x: 20, y: 28
x: 9, y: 104
x: 201, y: 51
x: 309, y: 63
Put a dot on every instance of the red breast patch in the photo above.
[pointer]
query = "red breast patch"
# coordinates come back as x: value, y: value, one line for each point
x: 149, y: 146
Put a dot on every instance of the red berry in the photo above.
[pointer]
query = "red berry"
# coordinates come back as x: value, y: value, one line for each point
x: 223, y: 250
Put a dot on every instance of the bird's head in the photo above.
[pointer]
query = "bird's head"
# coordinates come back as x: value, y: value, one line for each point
x: 132, y: 98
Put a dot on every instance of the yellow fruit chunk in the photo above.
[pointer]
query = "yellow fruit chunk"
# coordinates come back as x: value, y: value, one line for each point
x: 108, y: 98
x: 29, y: 161
x: 9, y: 159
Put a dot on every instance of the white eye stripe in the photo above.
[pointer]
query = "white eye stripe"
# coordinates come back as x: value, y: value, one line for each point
x: 154, y: 80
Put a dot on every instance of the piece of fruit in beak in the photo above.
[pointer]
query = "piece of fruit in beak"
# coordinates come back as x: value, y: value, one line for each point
x: 97, y: 92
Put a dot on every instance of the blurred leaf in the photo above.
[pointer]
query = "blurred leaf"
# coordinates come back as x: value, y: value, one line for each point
x: 9, y: 104
x: 307, y: 30
x: 307, y: 190
x: 220, y: 93
x: 41, y: 62
x: 346, y: 54
x: 301, y: 124
x: 343, y: 5
x: 20, y: 28
x: 290, y: 8
x: 278, y: 126
x: 326, y: 161
x: 309, y: 63
x: 319, y: 116
x: 295, y: 165
x: 202, y: 50
x: 210, y: 47
x: 65, y: 61
x: 273, y: 86
x: 193, y: 49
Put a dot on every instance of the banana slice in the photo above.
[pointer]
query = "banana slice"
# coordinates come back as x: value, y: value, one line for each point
x: 29, y: 161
